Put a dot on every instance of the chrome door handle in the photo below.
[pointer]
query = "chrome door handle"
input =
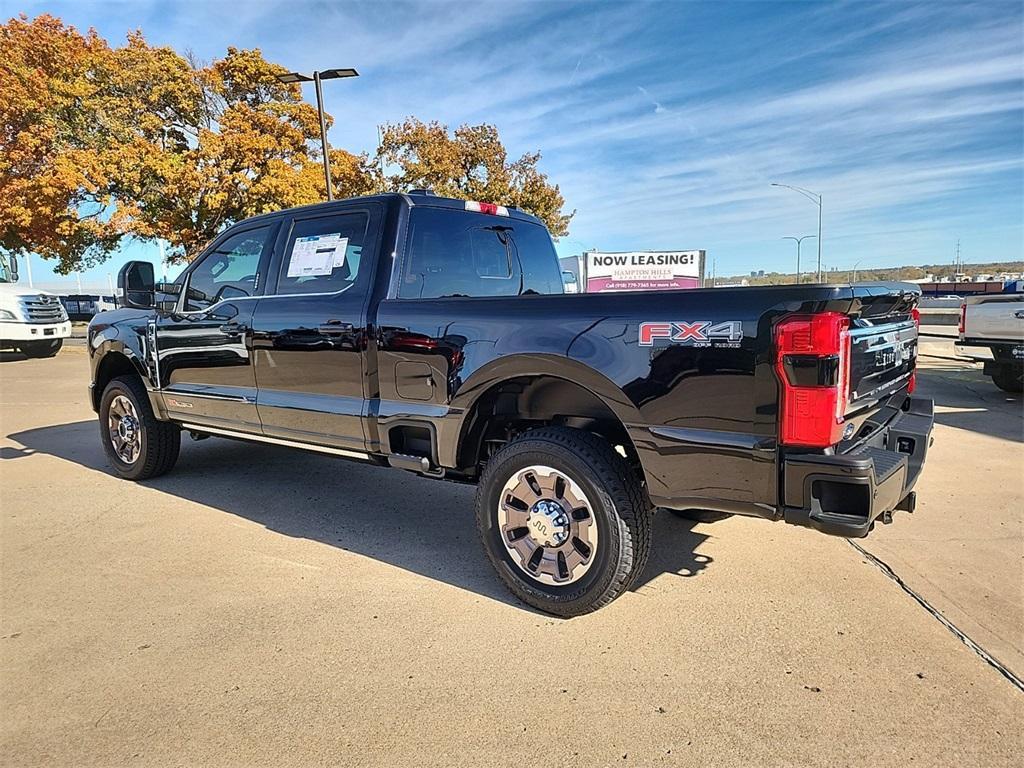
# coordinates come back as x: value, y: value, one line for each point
x: 231, y: 328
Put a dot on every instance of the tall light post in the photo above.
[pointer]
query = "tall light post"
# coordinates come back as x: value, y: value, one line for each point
x: 798, y: 241
x: 815, y: 198
x: 855, y: 269
x: 324, y: 74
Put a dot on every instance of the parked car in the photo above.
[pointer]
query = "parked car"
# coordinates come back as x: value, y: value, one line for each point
x: 996, y: 323
x: 432, y: 335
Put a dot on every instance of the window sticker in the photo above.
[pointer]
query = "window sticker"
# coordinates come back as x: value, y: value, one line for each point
x: 317, y: 255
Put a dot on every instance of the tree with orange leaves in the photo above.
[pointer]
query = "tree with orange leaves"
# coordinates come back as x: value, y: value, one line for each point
x: 100, y: 144
x: 470, y: 163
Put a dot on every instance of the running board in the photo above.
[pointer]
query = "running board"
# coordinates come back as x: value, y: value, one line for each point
x: 275, y: 441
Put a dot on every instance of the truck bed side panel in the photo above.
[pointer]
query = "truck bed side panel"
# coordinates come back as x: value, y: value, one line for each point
x: 702, y: 414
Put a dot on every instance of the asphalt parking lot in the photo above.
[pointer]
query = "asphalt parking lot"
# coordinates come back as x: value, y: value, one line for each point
x: 260, y: 606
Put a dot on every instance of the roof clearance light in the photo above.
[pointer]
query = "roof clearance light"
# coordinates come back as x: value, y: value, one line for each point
x: 488, y: 208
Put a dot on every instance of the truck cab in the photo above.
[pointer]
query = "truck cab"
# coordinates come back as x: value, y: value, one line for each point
x: 32, y: 322
x: 433, y: 335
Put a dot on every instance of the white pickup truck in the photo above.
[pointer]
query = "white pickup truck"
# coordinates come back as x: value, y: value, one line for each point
x: 31, y: 321
x: 995, y: 322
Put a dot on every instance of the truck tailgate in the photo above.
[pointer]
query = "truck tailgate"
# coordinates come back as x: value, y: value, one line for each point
x: 882, y: 359
x: 995, y: 318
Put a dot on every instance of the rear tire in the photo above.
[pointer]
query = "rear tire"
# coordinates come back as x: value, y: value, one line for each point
x: 587, y: 525
x: 1009, y: 377
x: 41, y: 348
x: 138, y: 445
x: 700, y: 515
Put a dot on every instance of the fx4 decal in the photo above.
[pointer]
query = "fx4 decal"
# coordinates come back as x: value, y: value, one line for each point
x: 702, y: 333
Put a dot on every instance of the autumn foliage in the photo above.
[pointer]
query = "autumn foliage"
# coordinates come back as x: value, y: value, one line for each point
x: 99, y: 144
x: 472, y: 164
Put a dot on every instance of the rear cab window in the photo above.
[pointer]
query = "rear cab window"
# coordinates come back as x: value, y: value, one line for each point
x: 453, y: 253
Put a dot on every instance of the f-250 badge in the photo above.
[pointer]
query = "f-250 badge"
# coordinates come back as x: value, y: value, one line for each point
x: 702, y: 333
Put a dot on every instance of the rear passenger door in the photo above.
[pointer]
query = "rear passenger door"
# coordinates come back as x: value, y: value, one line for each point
x: 309, y: 330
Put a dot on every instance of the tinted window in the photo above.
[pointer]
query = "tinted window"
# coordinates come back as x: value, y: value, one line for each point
x: 453, y: 253
x: 228, y: 271
x: 324, y: 255
x: 537, y: 259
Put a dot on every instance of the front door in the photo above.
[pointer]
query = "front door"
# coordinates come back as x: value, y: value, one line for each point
x: 309, y: 330
x: 204, y: 349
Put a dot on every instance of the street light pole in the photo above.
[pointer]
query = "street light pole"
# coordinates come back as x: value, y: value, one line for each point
x: 323, y: 135
x: 318, y: 76
x: 815, y: 198
x: 855, y: 269
x: 798, y: 241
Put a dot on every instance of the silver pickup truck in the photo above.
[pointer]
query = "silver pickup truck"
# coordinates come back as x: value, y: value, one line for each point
x: 995, y: 323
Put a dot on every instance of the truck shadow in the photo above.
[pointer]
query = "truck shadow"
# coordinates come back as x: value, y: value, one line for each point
x: 966, y: 399
x: 420, y: 525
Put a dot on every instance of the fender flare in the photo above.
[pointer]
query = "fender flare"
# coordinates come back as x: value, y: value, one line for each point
x: 510, y: 367
x: 100, y: 352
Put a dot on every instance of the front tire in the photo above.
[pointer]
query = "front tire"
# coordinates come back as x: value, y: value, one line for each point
x: 138, y: 445
x: 41, y: 348
x: 564, y: 520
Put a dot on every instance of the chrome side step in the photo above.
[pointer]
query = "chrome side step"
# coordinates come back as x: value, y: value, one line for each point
x: 275, y: 441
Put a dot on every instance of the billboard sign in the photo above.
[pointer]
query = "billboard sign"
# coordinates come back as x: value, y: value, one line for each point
x: 643, y: 270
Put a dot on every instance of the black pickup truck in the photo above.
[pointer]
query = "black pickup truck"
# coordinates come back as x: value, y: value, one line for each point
x: 432, y: 335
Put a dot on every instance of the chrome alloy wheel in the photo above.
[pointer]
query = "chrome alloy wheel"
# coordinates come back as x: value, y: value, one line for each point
x: 547, y: 525
x: 125, y: 429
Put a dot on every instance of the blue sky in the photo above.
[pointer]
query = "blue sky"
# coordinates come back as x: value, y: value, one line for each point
x: 665, y: 123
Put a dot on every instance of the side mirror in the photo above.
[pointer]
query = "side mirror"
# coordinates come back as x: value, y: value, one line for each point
x: 137, y: 284
x: 14, y: 268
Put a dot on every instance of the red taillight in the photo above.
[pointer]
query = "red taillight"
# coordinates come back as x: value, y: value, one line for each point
x: 813, y: 364
x: 962, y: 326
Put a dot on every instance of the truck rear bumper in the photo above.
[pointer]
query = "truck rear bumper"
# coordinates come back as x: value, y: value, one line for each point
x: 844, y: 494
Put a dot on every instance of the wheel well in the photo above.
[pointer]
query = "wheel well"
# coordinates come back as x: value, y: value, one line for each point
x: 112, y: 365
x: 526, y: 402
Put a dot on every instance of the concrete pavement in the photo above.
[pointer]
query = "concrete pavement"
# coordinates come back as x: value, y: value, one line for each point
x: 260, y: 606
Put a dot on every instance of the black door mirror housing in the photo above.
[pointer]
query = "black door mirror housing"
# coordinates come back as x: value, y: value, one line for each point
x: 137, y: 284
x: 14, y: 268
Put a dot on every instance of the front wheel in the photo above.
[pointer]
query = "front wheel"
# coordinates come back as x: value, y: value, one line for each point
x: 138, y: 445
x: 41, y: 348
x: 564, y: 520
